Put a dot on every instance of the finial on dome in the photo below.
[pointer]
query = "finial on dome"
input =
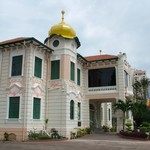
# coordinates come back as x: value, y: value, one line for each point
x: 100, y: 51
x: 62, y: 12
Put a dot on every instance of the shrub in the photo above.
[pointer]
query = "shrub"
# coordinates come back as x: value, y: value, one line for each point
x: 72, y: 135
x: 88, y: 130
x: 128, y: 125
x: 79, y: 134
x: 134, y: 134
x: 32, y: 135
x: 113, y: 129
x: 106, y: 129
x: 145, y: 127
x: 43, y: 135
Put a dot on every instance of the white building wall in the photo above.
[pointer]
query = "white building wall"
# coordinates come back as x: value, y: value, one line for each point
x: 0, y: 65
x: 57, y: 110
x: 3, y: 86
x: 85, y: 113
x: 121, y: 87
x: 35, y: 87
x: 109, y: 115
x: 85, y: 101
x: 120, y: 81
x: 55, y: 102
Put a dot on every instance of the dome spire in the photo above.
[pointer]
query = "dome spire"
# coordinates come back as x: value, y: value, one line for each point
x: 62, y: 29
x: 62, y: 12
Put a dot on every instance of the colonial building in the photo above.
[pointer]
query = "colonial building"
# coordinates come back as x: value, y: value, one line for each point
x: 52, y: 81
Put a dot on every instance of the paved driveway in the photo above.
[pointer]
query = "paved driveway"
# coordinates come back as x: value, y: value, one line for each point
x: 103, y: 141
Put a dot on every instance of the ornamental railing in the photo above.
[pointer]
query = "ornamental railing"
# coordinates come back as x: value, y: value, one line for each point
x: 106, y: 89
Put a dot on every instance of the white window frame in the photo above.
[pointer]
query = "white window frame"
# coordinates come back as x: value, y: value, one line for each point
x: 20, y: 102
x: 13, y: 54
x: 42, y: 66
x: 40, y: 108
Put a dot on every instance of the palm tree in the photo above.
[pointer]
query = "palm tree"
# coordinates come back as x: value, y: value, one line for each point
x: 140, y: 89
x: 124, y: 107
x: 137, y: 90
x: 145, y: 83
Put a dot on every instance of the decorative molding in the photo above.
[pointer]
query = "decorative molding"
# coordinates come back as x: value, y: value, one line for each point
x: 15, y: 89
x: 18, y: 81
x: 72, y: 93
x: 37, y: 91
x: 72, y: 85
x: 54, y: 84
x: 15, y: 86
x: 38, y: 81
x: 38, y: 87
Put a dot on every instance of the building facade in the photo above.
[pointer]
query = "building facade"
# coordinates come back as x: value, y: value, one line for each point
x: 53, y: 82
x: 138, y: 75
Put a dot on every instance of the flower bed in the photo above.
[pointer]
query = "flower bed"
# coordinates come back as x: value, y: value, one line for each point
x: 134, y: 135
x: 47, y: 140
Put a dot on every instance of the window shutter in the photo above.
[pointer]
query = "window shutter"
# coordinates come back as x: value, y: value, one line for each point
x: 14, y: 107
x: 16, y: 69
x: 55, y: 69
x: 38, y: 67
x: 72, y: 71
x: 36, y: 108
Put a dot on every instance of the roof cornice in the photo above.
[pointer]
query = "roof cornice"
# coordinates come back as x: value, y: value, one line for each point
x: 23, y: 41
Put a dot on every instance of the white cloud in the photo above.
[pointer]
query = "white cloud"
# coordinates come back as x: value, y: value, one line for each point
x: 110, y: 25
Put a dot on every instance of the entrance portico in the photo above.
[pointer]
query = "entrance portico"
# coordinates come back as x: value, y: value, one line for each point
x: 101, y: 113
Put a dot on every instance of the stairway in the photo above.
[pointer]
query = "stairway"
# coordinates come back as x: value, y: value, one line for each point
x: 97, y: 130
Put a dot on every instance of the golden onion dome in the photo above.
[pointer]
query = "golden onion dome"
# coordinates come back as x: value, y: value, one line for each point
x: 62, y: 29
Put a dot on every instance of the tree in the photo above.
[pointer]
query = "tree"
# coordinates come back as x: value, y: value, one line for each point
x: 140, y: 113
x: 140, y: 90
x: 145, y: 83
x: 137, y: 90
x: 124, y: 107
x: 139, y: 109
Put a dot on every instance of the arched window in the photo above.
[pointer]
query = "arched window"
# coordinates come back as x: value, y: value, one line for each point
x: 71, y: 109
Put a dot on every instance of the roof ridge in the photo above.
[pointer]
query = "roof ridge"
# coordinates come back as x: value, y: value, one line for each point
x: 14, y: 39
x: 100, y: 57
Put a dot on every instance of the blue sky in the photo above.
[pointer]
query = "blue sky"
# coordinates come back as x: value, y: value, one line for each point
x: 110, y: 25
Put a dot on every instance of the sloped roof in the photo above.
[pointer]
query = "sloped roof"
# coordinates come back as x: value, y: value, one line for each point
x: 100, y: 57
x: 13, y: 40
x: 23, y: 40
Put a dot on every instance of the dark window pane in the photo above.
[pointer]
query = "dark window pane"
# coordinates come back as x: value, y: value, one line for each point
x: 78, y: 76
x: 79, y: 111
x: 71, y: 109
x: 102, y: 77
x: 109, y: 114
x: 16, y: 69
x: 38, y: 67
x: 55, y: 69
x: 14, y: 107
